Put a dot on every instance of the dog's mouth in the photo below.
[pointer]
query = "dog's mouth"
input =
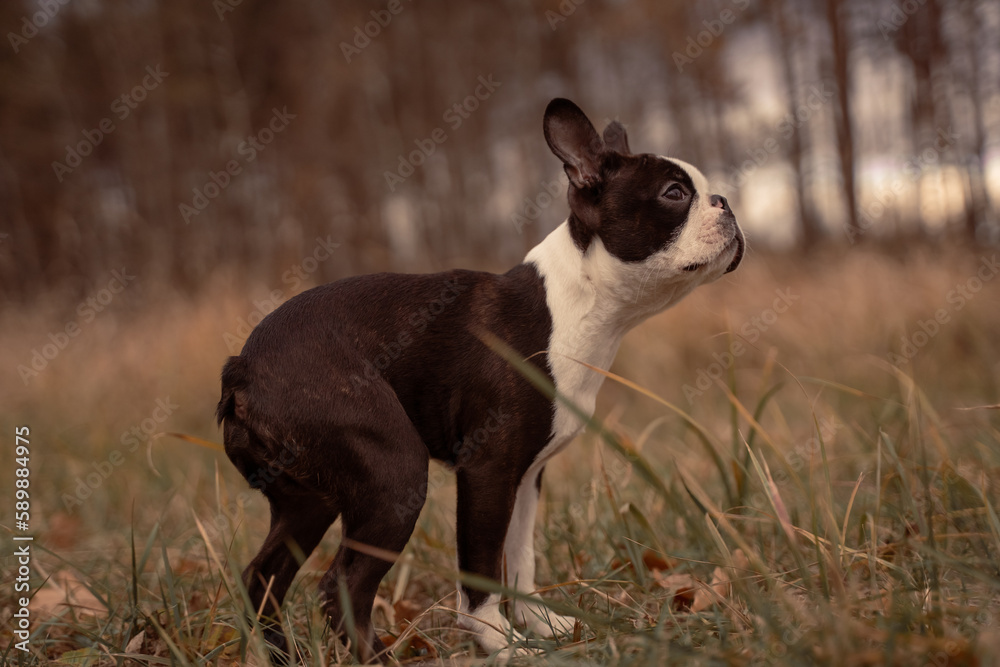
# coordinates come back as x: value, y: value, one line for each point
x: 736, y: 242
x: 740, y: 248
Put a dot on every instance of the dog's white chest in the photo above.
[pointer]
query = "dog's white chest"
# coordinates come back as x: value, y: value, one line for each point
x: 581, y: 332
x: 579, y: 385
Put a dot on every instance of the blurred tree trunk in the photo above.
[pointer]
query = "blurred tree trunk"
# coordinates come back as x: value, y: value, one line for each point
x: 841, y: 47
x: 788, y: 26
x: 921, y: 42
x: 976, y: 210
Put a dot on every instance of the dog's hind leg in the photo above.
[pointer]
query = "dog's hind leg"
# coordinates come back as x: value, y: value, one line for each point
x: 297, y: 526
x: 299, y: 518
x: 387, y: 491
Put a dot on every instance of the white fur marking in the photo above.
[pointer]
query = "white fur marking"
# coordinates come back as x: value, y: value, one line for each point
x: 493, y: 632
x: 584, y: 326
x: 519, y: 560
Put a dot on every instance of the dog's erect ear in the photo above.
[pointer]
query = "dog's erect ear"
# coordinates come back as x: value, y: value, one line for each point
x: 574, y: 140
x: 616, y: 139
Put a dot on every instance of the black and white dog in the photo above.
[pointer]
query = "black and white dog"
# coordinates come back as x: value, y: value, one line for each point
x: 348, y: 389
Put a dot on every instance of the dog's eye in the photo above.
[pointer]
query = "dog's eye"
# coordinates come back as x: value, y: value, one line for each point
x: 674, y: 193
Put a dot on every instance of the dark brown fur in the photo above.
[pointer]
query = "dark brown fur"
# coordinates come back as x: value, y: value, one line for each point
x: 349, y: 388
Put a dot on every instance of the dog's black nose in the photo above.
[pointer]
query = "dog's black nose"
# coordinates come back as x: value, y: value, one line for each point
x: 718, y: 201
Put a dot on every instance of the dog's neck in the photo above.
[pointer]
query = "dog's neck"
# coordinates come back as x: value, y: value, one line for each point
x: 587, y: 321
x: 591, y: 313
x: 594, y: 298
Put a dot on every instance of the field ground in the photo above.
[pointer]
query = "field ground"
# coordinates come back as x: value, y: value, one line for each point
x: 812, y: 478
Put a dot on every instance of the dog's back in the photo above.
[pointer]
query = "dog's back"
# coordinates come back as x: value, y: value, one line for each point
x: 411, y: 336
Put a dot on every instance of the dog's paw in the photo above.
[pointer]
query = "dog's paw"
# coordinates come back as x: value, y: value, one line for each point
x: 505, y: 655
x: 492, y: 631
x: 504, y: 645
x: 544, y: 623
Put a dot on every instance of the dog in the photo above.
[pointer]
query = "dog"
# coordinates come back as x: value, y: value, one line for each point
x: 348, y: 389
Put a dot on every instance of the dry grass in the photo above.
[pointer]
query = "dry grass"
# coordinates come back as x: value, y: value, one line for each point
x: 858, y: 526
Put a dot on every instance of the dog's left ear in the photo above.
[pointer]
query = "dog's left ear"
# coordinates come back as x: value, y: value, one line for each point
x: 573, y: 139
x: 616, y: 139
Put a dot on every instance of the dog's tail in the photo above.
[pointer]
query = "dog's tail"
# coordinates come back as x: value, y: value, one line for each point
x: 235, y: 378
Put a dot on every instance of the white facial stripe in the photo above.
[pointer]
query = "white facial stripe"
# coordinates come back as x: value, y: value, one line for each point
x: 698, y: 178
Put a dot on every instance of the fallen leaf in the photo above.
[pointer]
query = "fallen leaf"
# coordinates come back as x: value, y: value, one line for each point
x: 705, y: 596
x: 654, y: 561
x: 407, y: 610
x: 82, y: 656
x: 142, y: 645
x: 416, y: 647
x: 721, y: 579
x: 62, y: 531
x: 64, y: 590
x: 682, y: 586
x: 135, y: 644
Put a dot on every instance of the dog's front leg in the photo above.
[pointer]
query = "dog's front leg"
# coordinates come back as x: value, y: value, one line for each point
x: 485, y: 502
x: 519, y: 559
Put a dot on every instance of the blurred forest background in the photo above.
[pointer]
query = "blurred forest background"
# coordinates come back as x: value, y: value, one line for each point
x: 822, y: 120
x: 171, y: 171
